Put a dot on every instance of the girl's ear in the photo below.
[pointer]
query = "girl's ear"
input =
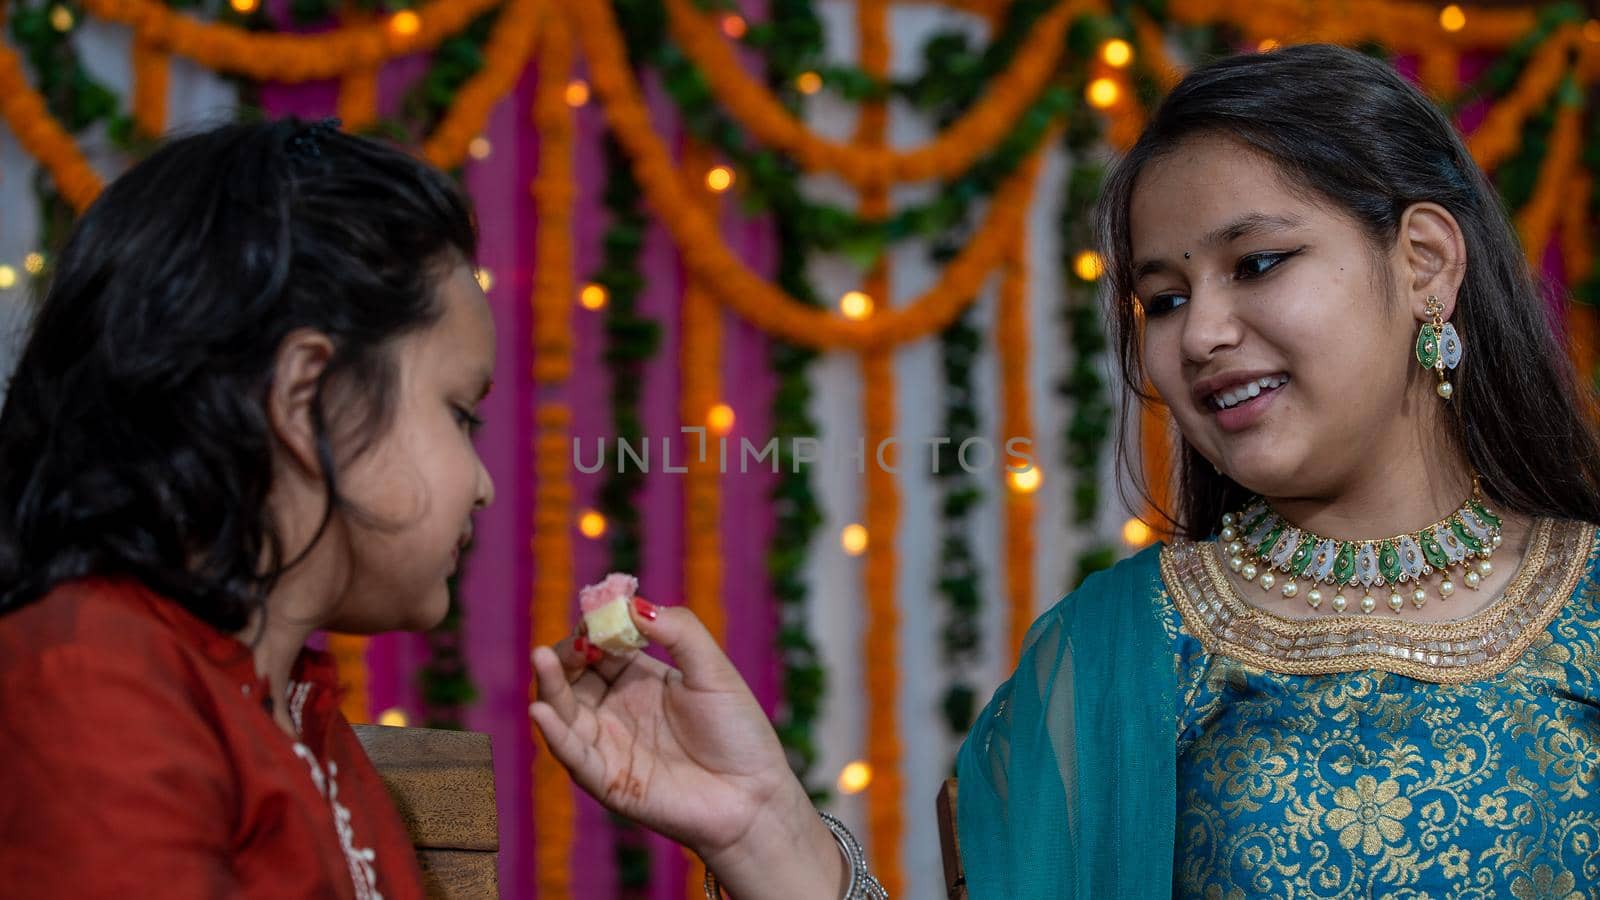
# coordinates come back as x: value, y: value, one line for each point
x: 1435, y: 257
x: 296, y: 381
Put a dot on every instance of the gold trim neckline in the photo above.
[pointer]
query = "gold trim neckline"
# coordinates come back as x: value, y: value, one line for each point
x: 1452, y: 652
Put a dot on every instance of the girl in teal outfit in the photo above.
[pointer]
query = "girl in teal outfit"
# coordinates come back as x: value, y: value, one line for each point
x: 1369, y: 663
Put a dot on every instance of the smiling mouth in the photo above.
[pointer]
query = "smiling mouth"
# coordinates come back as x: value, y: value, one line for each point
x: 1243, y: 393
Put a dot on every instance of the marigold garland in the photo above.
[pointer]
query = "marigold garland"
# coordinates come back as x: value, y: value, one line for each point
x: 1404, y: 27
x: 150, y: 69
x: 953, y: 151
x: 1578, y: 260
x: 554, y: 587
x: 1501, y: 132
x: 41, y: 136
x: 286, y: 58
x: 1016, y: 421
x: 508, y: 50
x: 349, y: 652
x: 1152, y: 42
x: 1537, y: 218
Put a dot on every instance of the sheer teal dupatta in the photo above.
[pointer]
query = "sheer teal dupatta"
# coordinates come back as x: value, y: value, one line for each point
x: 1068, y: 780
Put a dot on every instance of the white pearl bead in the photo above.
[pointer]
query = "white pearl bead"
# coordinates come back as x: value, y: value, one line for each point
x: 1314, y: 597
x: 1485, y: 568
x: 1473, y: 579
x: 1267, y: 580
x: 1228, y: 534
x: 1249, y: 571
x: 1339, y: 603
x: 1228, y: 519
x: 1396, y: 601
x: 1497, y: 540
x: 1369, y: 603
x: 1419, y: 597
x: 1447, y: 587
x: 1235, y: 549
x: 1290, y: 589
x: 1445, y: 390
x: 1236, y: 563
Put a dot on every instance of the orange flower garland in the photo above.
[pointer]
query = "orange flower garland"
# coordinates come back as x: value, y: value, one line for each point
x: 1578, y: 259
x: 1404, y: 27
x: 150, y: 68
x: 41, y: 136
x: 554, y: 586
x: 1016, y: 421
x: 975, y: 134
x: 349, y: 652
x: 286, y: 58
x: 507, y: 53
x: 720, y: 270
x: 1537, y: 219
x: 1501, y: 132
x: 1153, y: 44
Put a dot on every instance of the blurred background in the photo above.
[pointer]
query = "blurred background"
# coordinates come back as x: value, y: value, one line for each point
x: 797, y: 321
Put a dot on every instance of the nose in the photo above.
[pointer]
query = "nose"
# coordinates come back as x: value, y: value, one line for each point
x: 1210, y: 324
x: 485, y: 486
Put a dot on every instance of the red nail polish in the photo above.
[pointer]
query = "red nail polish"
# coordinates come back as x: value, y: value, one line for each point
x: 580, y: 645
x: 594, y: 654
x: 644, y: 608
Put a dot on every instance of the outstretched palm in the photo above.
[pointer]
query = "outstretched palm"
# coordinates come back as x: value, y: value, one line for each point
x: 687, y: 753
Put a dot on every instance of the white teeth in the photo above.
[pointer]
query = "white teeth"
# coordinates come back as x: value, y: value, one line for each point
x: 1240, y: 393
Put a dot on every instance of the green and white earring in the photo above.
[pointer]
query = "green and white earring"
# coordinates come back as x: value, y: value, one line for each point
x: 1438, y: 346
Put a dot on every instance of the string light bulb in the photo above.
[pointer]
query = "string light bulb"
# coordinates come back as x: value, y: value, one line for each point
x: 8, y: 277
x: 592, y: 525
x: 1267, y: 46
x: 856, y: 305
x: 1116, y: 52
x: 719, y: 179
x: 577, y: 92
x: 720, y: 419
x: 243, y: 7
x: 1025, y: 481
x: 1452, y: 18
x: 61, y: 18
x: 593, y: 296
x: 1088, y: 265
x: 479, y: 147
x: 485, y: 280
x: 1103, y: 93
x: 808, y: 82
x: 394, y: 717
x: 733, y: 26
x: 33, y: 262
x: 405, y: 23
x: 853, y: 539
x: 1135, y: 533
x: 854, y: 777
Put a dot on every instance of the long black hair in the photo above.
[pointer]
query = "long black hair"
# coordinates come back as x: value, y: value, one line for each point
x: 135, y: 439
x: 1349, y: 130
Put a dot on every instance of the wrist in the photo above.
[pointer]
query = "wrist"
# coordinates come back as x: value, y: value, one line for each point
x: 788, y: 851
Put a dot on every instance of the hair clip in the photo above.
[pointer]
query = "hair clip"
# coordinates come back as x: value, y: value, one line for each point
x: 306, y: 142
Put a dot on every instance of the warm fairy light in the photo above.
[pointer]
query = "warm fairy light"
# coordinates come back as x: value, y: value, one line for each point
x: 593, y: 296
x: 1267, y: 46
x: 856, y: 305
x: 1026, y: 481
x: 61, y: 18
x: 479, y: 148
x: 1103, y: 93
x: 853, y: 539
x: 1116, y: 52
x: 577, y: 92
x: 854, y: 777
x: 243, y: 7
x: 733, y: 26
x: 405, y: 23
x: 719, y: 179
x: 33, y: 262
x: 394, y: 717
x: 1087, y: 265
x: 592, y: 525
x: 1591, y: 30
x: 485, y: 280
x: 8, y: 277
x: 720, y: 419
x: 808, y: 82
x: 1452, y: 18
x: 1135, y: 533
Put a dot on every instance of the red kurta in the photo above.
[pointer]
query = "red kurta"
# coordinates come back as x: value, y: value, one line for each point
x: 137, y: 759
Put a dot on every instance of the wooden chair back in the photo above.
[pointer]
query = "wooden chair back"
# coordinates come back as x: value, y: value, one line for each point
x: 443, y: 784
x: 955, y: 879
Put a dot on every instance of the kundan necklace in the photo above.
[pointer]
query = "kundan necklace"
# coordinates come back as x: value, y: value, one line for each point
x: 1270, y: 552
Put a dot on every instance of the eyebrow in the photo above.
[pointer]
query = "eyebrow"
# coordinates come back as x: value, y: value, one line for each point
x: 1245, y: 226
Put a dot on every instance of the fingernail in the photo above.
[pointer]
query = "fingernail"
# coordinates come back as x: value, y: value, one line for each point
x: 580, y: 645
x: 644, y: 608
x: 593, y: 654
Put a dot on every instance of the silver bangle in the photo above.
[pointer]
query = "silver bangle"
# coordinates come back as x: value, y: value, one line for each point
x: 862, y: 885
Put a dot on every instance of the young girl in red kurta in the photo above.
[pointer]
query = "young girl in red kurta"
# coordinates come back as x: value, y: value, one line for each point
x: 244, y: 413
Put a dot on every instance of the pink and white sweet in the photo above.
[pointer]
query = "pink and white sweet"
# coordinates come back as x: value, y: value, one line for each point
x: 606, y: 613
